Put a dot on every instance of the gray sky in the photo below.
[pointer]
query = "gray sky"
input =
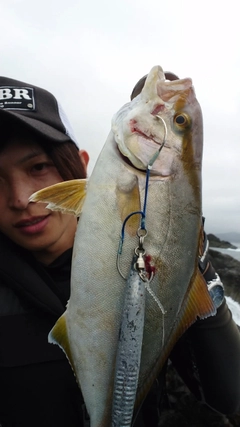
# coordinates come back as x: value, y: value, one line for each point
x: 90, y: 55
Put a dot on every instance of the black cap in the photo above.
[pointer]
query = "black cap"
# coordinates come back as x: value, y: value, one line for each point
x: 36, y: 108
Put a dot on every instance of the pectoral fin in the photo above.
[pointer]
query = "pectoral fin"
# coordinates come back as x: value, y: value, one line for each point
x: 66, y: 197
x: 128, y: 199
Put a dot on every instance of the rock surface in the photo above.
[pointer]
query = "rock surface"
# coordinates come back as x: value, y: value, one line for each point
x: 215, y: 242
x: 228, y: 269
x: 186, y: 411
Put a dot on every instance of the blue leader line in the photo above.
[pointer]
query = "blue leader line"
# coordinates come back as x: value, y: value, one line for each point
x: 143, y: 212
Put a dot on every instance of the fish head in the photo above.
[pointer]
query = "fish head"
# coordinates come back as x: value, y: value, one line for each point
x: 161, y: 127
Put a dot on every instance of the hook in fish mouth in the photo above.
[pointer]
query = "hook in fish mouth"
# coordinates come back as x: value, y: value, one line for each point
x: 148, y: 165
x: 136, y: 130
x: 145, y: 136
x: 162, y: 144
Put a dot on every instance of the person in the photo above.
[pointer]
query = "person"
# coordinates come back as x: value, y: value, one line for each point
x: 37, y: 149
x: 37, y: 385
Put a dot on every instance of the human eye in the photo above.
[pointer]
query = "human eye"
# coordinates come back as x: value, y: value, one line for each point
x: 41, y: 167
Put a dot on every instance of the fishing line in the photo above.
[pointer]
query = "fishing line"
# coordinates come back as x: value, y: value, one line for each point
x: 143, y: 212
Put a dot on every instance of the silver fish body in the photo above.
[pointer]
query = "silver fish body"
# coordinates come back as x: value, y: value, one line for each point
x: 89, y: 329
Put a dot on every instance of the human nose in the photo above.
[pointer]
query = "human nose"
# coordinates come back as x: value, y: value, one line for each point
x: 19, y: 193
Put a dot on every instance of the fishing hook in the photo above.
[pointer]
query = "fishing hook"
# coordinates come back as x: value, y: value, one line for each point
x: 142, y: 232
x: 150, y: 164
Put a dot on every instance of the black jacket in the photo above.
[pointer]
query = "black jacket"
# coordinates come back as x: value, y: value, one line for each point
x: 37, y: 386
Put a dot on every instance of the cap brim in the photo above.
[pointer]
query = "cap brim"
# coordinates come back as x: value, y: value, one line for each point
x: 36, y: 126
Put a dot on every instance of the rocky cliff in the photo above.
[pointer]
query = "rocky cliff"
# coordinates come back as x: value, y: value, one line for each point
x: 228, y: 269
x: 215, y: 242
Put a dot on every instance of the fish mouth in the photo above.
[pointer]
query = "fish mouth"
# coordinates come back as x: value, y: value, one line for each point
x: 155, y: 172
x: 147, y: 137
x: 127, y: 161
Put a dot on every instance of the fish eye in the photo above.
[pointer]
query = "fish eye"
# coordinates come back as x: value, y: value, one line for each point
x: 182, y: 120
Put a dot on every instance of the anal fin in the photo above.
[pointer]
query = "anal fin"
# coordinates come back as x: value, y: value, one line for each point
x: 59, y: 335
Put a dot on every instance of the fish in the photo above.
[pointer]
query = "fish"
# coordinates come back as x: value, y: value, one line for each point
x: 144, y: 198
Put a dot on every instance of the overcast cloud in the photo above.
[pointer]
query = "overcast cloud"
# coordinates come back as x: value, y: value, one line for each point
x: 90, y: 55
